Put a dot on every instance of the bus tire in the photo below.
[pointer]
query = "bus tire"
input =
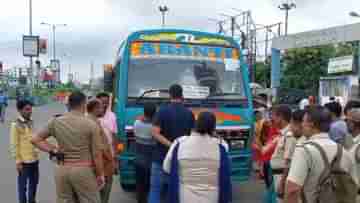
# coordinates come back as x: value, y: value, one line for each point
x: 128, y: 187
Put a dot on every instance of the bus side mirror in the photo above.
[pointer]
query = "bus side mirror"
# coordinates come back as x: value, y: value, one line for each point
x: 108, y: 78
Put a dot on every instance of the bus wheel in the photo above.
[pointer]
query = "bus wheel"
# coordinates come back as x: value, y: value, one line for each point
x: 128, y: 187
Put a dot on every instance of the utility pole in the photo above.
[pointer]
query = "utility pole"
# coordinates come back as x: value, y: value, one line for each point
x: 56, y: 62
x: 220, y: 25
x: 91, y: 75
x: 248, y: 37
x: 54, y: 42
x: 269, y: 30
x: 31, y: 59
x: 163, y: 10
x: 233, y: 22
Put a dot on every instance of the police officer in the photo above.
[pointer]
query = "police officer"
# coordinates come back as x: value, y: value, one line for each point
x: 79, y: 174
x: 353, y: 123
x: 281, y: 158
x: 308, y: 163
x: 95, y: 111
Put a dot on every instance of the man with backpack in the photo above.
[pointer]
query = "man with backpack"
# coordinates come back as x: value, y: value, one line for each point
x: 338, y: 129
x: 353, y: 123
x: 321, y: 170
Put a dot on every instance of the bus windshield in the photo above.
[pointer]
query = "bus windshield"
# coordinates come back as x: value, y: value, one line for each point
x: 201, y: 77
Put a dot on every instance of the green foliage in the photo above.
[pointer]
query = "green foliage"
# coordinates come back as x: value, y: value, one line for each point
x: 67, y: 87
x: 303, y: 67
x: 263, y: 74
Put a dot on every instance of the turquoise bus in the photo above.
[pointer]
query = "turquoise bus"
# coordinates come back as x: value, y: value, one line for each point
x: 214, y: 77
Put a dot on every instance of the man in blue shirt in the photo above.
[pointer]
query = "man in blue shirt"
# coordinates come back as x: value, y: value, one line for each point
x: 338, y: 128
x: 172, y: 121
x: 3, y: 105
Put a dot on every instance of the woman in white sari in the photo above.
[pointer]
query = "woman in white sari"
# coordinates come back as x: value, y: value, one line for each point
x: 199, y: 166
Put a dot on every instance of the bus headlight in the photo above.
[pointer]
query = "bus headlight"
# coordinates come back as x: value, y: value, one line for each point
x: 120, y: 147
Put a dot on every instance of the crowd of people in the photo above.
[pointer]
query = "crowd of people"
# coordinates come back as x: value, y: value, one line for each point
x: 178, y: 159
x: 310, y: 155
x: 83, y: 153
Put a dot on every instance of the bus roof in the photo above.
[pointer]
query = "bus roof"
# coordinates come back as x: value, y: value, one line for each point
x: 181, y: 35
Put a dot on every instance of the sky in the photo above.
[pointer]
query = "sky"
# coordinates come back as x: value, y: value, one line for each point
x: 95, y: 28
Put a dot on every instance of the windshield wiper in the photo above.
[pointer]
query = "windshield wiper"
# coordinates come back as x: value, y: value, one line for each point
x: 224, y: 94
x: 151, y: 91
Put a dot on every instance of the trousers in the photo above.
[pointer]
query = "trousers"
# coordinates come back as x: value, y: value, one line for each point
x: 106, y: 190
x: 28, y: 180
x: 76, y: 184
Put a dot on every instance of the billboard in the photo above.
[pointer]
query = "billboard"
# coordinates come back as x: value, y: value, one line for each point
x: 30, y: 46
x: 42, y: 46
x: 341, y: 64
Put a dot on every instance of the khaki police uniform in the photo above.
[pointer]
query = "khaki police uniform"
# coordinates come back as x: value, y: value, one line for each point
x: 284, y: 150
x: 301, y: 140
x: 108, y: 160
x: 307, y: 164
x: 355, y: 155
x: 79, y: 139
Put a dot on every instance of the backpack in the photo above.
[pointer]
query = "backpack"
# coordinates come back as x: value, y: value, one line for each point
x: 335, y: 185
x: 348, y: 141
x: 357, y: 154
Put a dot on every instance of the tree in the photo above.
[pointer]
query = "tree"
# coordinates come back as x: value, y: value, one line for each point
x: 263, y: 73
x: 303, y: 67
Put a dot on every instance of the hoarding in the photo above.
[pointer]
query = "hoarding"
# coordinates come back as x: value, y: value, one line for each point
x: 43, y: 46
x: 341, y: 64
x: 30, y: 46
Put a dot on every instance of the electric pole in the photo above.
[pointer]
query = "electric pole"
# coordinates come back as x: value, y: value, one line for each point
x: 287, y: 7
x: 91, y: 75
x: 220, y: 25
x: 55, y: 60
x: 31, y: 59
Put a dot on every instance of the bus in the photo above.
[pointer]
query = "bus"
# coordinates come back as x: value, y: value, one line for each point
x: 214, y: 77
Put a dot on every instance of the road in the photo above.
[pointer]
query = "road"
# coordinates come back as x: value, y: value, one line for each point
x: 244, y: 193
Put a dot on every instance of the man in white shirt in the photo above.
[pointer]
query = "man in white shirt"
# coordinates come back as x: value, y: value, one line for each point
x: 296, y: 126
x: 307, y: 164
x: 353, y: 123
x: 280, y: 161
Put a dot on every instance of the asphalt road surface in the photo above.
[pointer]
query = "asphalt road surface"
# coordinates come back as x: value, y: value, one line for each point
x: 243, y: 193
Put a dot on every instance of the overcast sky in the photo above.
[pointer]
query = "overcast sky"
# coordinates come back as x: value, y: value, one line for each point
x: 96, y: 27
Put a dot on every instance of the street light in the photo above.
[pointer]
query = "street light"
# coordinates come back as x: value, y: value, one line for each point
x: 287, y: 7
x: 354, y: 14
x: 163, y: 10
x: 53, y: 26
